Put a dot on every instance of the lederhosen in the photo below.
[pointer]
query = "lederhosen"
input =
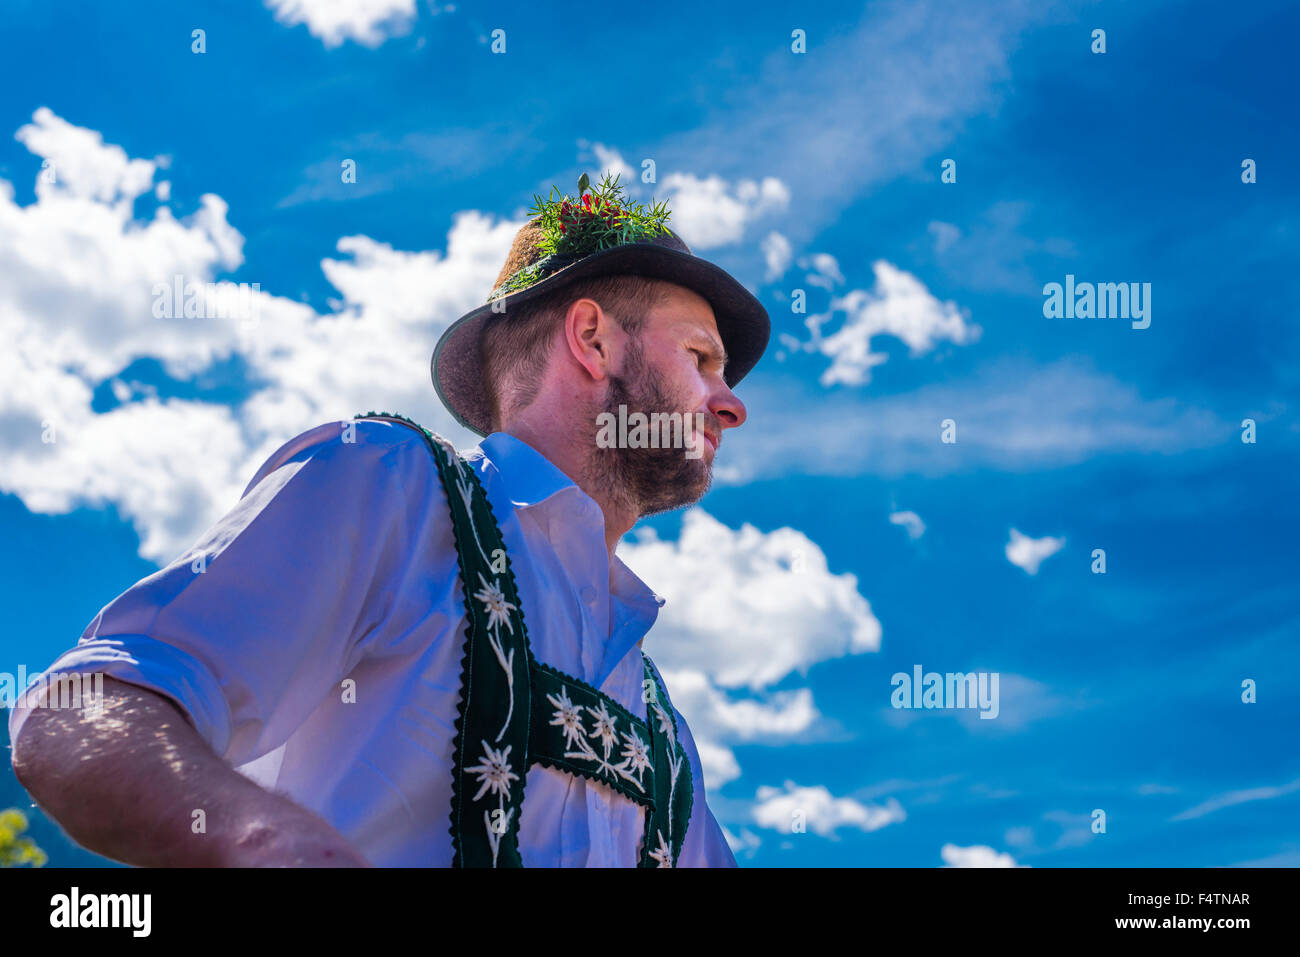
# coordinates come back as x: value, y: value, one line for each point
x: 515, y: 712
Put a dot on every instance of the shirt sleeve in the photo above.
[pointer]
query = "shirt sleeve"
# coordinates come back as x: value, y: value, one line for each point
x: 276, y: 603
x: 705, y: 844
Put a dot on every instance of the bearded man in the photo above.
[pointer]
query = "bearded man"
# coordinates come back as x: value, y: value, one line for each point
x: 384, y: 638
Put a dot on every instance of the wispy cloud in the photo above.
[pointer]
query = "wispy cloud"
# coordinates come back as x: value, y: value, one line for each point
x: 908, y: 73
x: 1012, y: 415
x: 997, y: 252
x: 1233, y: 798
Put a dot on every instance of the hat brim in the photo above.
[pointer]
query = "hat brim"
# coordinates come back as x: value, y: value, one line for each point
x: 743, y: 323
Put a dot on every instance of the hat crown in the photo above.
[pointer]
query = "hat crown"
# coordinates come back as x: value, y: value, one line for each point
x: 524, y: 250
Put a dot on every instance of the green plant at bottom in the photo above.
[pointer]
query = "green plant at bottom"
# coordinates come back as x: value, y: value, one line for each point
x: 15, y: 851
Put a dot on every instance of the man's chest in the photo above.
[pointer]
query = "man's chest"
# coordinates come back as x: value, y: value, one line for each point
x: 522, y: 675
x: 386, y: 778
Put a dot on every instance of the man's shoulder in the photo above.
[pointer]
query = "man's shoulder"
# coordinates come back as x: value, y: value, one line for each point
x: 370, y: 446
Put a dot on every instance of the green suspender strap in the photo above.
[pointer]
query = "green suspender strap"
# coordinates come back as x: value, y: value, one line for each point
x: 515, y: 711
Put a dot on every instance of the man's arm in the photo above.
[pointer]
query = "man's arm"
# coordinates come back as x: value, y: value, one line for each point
x: 126, y: 780
x: 221, y: 656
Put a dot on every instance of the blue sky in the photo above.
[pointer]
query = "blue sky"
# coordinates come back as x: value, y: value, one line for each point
x: 1119, y: 692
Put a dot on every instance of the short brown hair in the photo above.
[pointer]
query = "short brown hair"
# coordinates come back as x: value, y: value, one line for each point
x: 514, y: 343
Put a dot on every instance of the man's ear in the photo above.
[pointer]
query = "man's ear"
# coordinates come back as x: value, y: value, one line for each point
x: 590, y: 335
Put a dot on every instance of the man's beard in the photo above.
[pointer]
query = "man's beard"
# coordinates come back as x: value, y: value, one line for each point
x: 649, y: 480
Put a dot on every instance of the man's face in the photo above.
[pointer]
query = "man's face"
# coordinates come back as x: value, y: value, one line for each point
x: 673, y: 368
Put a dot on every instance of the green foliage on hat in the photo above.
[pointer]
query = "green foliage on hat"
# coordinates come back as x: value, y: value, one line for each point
x: 597, y: 219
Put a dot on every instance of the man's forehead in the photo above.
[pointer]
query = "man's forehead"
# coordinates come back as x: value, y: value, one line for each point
x: 686, y: 311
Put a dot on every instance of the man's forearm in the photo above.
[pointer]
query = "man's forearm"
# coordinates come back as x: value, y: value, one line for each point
x: 129, y: 779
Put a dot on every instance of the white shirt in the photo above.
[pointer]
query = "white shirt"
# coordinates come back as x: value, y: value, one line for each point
x: 338, y: 562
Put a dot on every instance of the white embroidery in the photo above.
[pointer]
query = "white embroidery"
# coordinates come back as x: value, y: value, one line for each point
x: 495, y: 775
x: 664, y: 854
x: 578, y: 739
x: 604, y: 728
x: 674, y: 766
x: 495, y: 604
x: 465, y: 487
x: 567, y: 716
x: 637, y: 753
x: 494, y: 772
x: 498, y: 612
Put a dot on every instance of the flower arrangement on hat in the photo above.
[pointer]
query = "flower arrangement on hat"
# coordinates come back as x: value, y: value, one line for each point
x: 597, y: 218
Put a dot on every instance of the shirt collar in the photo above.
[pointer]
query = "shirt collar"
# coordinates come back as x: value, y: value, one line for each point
x: 530, y: 478
x: 527, y: 475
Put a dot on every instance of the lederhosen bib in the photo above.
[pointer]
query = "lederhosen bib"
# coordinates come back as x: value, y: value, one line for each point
x: 515, y: 712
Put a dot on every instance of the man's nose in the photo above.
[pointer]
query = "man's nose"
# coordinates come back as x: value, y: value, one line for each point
x: 729, y: 409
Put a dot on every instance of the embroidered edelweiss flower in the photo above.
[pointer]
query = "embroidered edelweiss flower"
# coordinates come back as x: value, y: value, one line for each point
x: 637, y: 753
x: 567, y: 716
x: 665, y: 725
x: 494, y: 772
x: 604, y: 728
x: 495, y: 604
x: 664, y: 854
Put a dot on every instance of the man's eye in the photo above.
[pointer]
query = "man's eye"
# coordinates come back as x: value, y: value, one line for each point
x: 703, y: 356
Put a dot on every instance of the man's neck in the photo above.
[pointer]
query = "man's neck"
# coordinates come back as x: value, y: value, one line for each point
x: 572, y: 457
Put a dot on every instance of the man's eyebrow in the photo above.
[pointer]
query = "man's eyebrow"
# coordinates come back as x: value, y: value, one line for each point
x: 715, y: 350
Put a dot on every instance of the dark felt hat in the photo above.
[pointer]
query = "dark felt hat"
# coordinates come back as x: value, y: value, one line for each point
x: 457, y: 368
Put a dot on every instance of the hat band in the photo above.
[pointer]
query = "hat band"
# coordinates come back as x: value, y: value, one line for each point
x: 533, y: 273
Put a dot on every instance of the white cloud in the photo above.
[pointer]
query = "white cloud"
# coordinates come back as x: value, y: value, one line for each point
x: 773, y: 608
x: 368, y: 22
x: 1028, y: 553
x: 780, y: 809
x: 773, y: 605
x: 910, y: 521
x: 743, y: 845
x: 719, y: 720
x: 79, y: 165
x: 612, y: 163
x: 717, y: 761
x: 77, y: 279
x: 980, y: 855
x: 77, y: 274
x: 711, y: 212
x: 776, y: 254
x: 898, y: 306
x: 782, y: 714
x: 825, y: 270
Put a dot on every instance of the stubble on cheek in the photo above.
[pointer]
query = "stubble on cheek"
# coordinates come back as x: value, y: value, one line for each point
x: 654, y: 480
